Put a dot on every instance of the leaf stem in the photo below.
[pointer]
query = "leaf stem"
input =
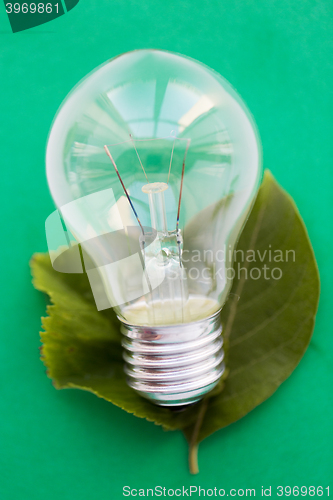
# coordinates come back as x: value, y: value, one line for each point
x: 193, y: 459
x: 193, y: 443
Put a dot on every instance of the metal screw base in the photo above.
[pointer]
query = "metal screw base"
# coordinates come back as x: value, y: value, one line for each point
x: 174, y: 365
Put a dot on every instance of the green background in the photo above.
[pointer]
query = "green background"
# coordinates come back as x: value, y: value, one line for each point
x: 70, y: 444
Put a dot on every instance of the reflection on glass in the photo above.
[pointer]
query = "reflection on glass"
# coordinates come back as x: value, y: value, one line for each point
x: 183, y: 144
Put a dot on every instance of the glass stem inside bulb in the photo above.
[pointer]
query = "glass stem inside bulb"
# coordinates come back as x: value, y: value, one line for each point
x: 168, y: 295
x: 157, y: 211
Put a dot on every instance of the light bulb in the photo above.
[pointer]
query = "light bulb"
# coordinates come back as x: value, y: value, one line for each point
x: 153, y: 162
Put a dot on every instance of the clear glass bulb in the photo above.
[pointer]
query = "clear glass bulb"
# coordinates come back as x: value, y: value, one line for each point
x: 154, y: 161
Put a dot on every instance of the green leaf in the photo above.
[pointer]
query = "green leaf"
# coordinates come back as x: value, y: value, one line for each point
x: 81, y: 346
x: 267, y: 325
